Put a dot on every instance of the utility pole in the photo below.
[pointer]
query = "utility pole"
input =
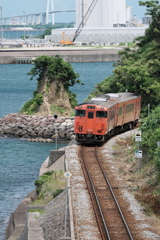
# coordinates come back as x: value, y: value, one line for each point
x: 56, y: 133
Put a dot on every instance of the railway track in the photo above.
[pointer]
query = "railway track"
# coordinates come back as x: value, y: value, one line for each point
x: 109, y: 216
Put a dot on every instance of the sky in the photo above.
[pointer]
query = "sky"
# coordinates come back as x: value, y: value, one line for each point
x: 18, y: 7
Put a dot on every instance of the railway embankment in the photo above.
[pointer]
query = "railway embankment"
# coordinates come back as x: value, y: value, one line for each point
x: 81, y: 219
x: 36, y: 128
x: 24, y: 223
x: 69, y: 54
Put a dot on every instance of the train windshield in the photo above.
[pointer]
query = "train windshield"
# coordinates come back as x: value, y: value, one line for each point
x: 101, y: 114
x: 90, y: 115
x: 80, y: 113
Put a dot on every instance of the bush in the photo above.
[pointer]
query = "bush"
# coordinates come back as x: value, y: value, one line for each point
x: 57, y: 192
x: 30, y: 107
x: 157, y: 162
x: 38, y: 99
x: 48, y: 186
x: 42, y: 179
x: 150, y: 136
x: 72, y: 99
x: 56, y: 109
x: 54, y: 68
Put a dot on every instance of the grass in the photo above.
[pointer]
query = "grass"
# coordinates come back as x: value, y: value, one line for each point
x: 145, y: 180
x: 57, y: 109
x: 48, y: 186
x: 41, y: 211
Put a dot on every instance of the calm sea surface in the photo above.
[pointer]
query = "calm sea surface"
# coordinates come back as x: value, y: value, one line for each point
x: 20, y: 161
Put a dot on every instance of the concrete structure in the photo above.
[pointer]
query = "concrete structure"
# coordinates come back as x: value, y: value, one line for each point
x: 54, y: 156
x: 34, y: 18
x: 103, y: 14
x: 47, y: 11
x: 128, y: 14
x: 74, y: 54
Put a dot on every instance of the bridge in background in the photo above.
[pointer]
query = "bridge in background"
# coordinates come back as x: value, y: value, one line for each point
x: 34, y: 18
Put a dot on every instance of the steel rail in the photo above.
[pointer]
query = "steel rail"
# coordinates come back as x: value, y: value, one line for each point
x: 97, y: 201
x: 114, y: 197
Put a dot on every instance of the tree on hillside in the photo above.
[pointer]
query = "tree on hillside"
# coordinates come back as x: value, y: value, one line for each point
x: 151, y: 136
x: 138, y: 70
x: 54, y: 68
x: 153, y: 32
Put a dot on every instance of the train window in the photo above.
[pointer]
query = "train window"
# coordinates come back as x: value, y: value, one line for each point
x: 112, y: 115
x: 101, y: 114
x: 80, y: 113
x: 130, y: 108
x: 119, y: 111
x: 90, y: 115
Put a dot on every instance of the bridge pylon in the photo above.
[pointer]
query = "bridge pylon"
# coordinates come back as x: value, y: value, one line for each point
x: 47, y: 11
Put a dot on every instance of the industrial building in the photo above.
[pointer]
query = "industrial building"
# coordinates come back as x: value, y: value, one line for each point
x: 100, y: 21
x: 98, y: 36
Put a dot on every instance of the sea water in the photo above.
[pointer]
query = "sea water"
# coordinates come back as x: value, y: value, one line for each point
x: 20, y: 160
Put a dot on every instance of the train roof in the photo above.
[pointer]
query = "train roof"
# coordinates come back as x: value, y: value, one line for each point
x: 110, y: 99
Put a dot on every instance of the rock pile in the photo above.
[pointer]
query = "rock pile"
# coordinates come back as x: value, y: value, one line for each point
x: 36, y: 128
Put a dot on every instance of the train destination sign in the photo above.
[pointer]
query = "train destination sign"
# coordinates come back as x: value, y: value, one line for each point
x: 138, y: 136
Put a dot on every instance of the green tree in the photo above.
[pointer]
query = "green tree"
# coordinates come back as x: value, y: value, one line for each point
x: 150, y: 128
x: 138, y: 69
x: 153, y: 32
x: 31, y: 106
x: 54, y: 68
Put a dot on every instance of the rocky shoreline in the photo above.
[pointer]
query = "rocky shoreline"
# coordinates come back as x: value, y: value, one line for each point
x: 37, y: 128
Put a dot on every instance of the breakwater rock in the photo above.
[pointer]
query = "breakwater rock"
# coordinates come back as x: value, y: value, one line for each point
x: 36, y: 128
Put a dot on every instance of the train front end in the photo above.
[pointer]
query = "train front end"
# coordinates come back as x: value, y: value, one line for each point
x: 90, y: 124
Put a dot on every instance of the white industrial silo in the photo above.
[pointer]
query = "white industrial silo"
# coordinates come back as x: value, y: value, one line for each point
x: 128, y: 13
x: 105, y: 13
x: 99, y: 16
x: 119, y: 12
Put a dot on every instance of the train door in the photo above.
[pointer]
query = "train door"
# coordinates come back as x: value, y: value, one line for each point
x: 123, y: 114
x: 135, y: 110
x: 116, y: 116
x: 90, y: 121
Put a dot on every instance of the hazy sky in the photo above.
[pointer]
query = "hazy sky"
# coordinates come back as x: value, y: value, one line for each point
x: 16, y: 7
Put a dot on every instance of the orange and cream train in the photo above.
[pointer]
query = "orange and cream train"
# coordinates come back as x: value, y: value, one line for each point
x: 106, y: 115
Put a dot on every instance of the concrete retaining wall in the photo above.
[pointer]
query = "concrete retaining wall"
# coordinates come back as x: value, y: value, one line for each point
x: 7, y: 60
x: 54, y: 156
x: 69, y: 54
